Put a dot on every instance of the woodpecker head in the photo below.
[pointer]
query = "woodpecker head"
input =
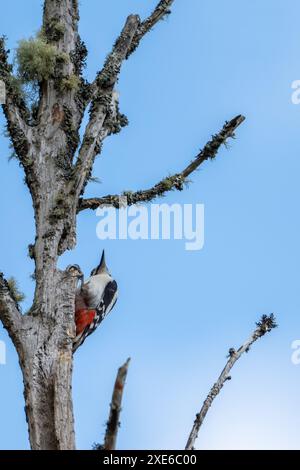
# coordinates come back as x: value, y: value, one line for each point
x: 101, y: 268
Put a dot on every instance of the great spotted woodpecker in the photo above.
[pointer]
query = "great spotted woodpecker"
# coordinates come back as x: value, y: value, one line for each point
x: 95, y: 298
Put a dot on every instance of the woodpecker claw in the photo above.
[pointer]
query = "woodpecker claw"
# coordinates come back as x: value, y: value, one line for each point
x: 75, y: 271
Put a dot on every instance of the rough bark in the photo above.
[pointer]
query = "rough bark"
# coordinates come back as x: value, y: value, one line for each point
x: 265, y: 325
x: 46, y: 143
x: 44, y: 346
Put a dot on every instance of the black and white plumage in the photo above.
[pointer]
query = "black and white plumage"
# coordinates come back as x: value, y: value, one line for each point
x: 95, y: 298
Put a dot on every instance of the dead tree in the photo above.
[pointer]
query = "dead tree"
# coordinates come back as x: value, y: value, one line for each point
x: 57, y: 167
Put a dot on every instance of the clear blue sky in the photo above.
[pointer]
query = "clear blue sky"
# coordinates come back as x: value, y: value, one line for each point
x: 178, y: 311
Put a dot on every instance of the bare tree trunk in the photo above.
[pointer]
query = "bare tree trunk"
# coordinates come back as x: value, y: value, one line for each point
x: 46, y: 362
x: 44, y: 347
x: 46, y: 142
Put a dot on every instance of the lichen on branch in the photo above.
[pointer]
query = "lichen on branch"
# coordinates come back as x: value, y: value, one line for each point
x: 171, y: 182
x: 37, y: 59
x: 15, y: 292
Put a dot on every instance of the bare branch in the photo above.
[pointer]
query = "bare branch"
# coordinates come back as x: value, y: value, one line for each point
x: 171, y: 182
x: 10, y: 315
x: 265, y: 325
x: 17, y: 116
x: 162, y: 9
x: 160, y: 12
x: 15, y: 109
x: 12, y: 89
x: 115, y: 409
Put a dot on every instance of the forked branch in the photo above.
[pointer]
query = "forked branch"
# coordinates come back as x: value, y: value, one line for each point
x: 101, y: 104
x: 104, y: 116
x: 159, y: 13
x: 14, y: 106
x: 265, y: 325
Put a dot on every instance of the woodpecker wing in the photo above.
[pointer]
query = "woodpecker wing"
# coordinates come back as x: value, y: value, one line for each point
x: 109, y: 298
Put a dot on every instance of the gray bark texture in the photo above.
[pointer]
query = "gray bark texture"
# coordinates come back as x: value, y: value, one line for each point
x: 46, y: 142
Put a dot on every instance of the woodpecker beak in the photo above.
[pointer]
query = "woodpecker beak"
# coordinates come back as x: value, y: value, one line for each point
x: 102, y: 266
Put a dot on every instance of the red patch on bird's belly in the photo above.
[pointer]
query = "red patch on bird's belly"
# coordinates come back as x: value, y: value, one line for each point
x: 83, y: 318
